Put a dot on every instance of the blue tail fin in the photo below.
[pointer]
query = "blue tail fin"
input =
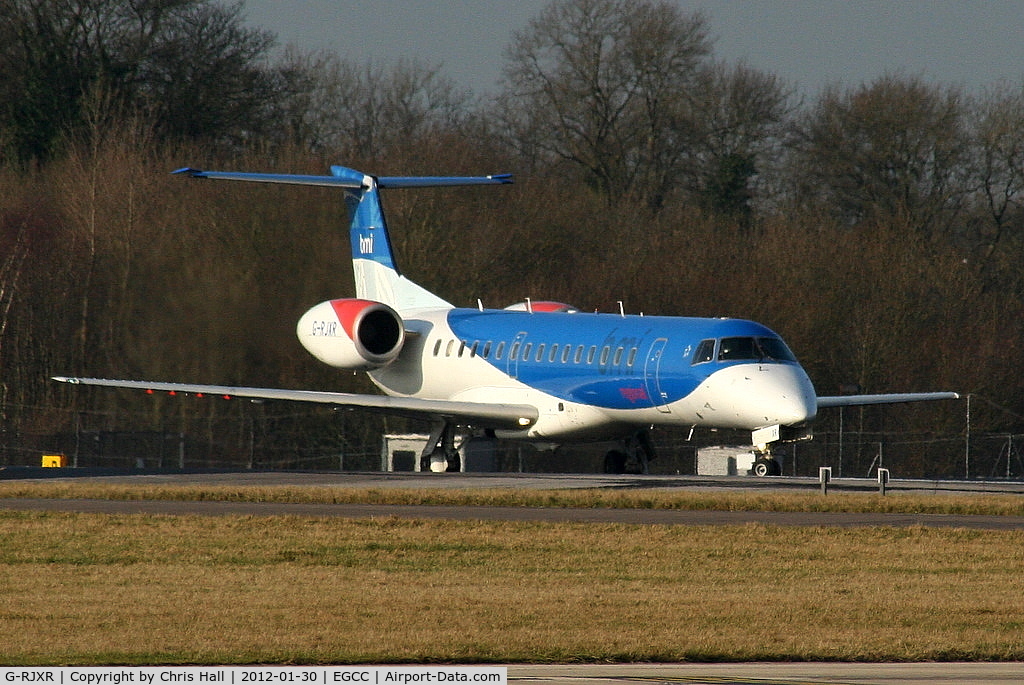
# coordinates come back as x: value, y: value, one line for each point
x: 373, y: 263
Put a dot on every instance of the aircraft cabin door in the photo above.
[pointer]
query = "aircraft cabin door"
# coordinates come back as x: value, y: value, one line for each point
x: 652, y: 369
x: 515, y: 352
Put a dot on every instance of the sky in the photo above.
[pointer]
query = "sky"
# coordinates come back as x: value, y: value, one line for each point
x: 808, y: 43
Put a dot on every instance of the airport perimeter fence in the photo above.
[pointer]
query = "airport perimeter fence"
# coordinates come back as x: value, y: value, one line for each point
x: 931, y: 456
x: 286, y: 436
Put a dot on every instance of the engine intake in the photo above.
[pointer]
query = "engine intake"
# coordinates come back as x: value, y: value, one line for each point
x: 352, y: 334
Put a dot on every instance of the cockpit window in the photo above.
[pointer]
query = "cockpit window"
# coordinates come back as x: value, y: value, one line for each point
x: 705, y: 352
x: 733, y: 349
x: 776, y: 349
x: 737, y: 348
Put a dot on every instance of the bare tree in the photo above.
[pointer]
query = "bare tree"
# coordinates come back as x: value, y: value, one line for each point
x: 999, y: 164
x: 893, y: 148
x: 190, y: 65
x: 15, y: 250
x: 205, y: 76
x: 607, y: 85
x: 104, y: 183
x: 739, y: 114
x: 366, y: 111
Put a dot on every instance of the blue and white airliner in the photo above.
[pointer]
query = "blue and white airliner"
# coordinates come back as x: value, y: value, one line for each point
x: 537, y: 371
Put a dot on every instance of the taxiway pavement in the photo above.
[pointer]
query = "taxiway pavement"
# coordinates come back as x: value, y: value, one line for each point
x: 495, y: 513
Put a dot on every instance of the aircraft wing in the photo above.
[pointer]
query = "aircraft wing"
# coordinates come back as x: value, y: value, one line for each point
x: 859, y: 400
x: 480, y: 414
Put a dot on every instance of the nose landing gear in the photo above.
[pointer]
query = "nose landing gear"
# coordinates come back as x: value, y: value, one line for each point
x: 766, y: 465
x: 764, y: 438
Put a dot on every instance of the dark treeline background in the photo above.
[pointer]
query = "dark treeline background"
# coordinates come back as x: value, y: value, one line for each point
x: 877, y: 227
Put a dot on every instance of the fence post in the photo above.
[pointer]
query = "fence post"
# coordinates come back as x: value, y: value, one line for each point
x: 883, y: 479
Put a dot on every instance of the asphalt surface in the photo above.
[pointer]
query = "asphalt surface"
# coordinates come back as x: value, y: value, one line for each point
x: 484, y: 513
x: 534, y: 481
x: 519, y: 481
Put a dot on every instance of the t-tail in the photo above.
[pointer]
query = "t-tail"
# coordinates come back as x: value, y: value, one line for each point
x: 377, y: 277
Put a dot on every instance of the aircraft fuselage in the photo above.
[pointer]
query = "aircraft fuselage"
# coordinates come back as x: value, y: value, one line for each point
x: 600, y: 374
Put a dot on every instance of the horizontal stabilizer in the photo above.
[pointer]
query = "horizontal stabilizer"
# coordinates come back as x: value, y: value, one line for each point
x: 861, y: 400
x: 293, y: 179
x: 435, y: 181
x: 479, y: 414
x: 343, y: 177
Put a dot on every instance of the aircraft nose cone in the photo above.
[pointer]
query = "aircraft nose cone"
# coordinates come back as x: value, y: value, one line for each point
x: 768, y: 394
x: 796, y: 404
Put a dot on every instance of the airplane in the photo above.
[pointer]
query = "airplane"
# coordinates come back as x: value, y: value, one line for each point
x: 537, y: 371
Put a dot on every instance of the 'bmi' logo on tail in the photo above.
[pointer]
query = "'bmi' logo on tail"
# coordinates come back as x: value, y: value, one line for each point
x: 366, y: 244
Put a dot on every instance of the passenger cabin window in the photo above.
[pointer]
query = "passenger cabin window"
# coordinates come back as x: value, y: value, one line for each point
x: 501, y: 349
x: 705, y: 352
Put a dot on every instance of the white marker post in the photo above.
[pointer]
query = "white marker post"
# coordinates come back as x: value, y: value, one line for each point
x: 824, y: 476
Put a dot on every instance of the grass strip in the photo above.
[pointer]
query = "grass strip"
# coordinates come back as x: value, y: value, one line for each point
x: 683, y: 499
x: 138, y: 589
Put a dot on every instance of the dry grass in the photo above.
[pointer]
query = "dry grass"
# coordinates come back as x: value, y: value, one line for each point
x: 83, y: 588
x: 895, y: 502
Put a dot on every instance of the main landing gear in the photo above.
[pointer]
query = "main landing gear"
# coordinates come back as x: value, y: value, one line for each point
x: 635, y: 457
x: 440, y: 453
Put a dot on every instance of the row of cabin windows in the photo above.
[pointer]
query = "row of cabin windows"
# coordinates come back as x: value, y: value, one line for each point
x: 525, y: 351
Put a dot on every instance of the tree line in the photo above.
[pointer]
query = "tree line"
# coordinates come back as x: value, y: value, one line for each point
x: 877, y: 226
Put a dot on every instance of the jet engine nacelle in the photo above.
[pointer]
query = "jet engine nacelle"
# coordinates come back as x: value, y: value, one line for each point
x: 352, y: 334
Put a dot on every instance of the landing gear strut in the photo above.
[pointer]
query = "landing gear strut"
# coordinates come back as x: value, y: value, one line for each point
x: 440, y: 449
x: 765, y: 464
x: 634, y: 458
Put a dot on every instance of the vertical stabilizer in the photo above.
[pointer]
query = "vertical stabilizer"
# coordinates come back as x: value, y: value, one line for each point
x: 373, y: 263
